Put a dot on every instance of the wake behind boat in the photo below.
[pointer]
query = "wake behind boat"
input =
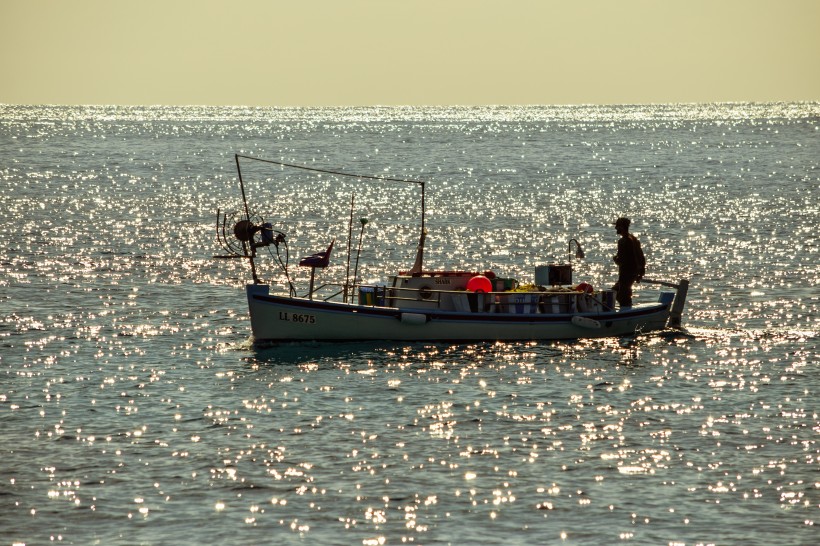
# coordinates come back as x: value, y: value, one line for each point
x: 430, y: 305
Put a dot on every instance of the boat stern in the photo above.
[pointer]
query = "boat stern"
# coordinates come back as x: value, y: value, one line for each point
x: 677, y: 304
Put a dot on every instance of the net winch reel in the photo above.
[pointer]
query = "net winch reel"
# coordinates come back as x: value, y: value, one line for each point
x: 246, y: 236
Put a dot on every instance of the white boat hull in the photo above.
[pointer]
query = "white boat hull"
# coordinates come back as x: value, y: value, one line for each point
x: 283, y: 318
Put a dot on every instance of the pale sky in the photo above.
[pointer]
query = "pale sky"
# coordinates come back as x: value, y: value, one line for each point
x: 409, y: 52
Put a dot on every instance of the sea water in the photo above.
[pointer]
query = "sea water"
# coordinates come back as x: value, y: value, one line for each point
x: 135, y: 410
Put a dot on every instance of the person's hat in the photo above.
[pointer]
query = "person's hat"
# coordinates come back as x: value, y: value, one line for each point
x: 621, y: 222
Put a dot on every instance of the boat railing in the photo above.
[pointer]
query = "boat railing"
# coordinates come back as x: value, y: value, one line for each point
x: 517, y: 302
x: 321, y: 288
x: 549, y: 300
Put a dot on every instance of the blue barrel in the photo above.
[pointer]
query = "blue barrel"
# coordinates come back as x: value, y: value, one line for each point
x: 666, y: 297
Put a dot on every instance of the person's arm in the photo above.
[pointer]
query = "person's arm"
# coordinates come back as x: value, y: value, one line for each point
x: 617, y: 258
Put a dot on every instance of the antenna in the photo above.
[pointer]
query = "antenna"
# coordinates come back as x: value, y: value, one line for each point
x: 359, y: 251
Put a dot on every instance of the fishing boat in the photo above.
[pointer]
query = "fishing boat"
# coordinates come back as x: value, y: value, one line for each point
x: 429, y: 305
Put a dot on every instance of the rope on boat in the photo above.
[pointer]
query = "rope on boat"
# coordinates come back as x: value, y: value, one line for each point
x: 326, y: 171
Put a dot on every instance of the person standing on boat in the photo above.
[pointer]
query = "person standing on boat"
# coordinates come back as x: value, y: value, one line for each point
x: 631, y: 263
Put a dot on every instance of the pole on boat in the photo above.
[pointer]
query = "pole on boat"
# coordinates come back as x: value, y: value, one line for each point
x: 418, y: 265
x: 245, y: 244
x: 662, y: 283
x: 242, y: 188
x: 349, y: 243
x: 423, y: 229
x: 359, y: 251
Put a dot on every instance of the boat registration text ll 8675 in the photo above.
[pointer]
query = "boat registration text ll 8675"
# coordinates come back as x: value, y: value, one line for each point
x: 297, y: 317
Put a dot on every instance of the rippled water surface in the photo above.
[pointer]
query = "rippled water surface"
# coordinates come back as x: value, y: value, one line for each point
x: 134, y: 409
